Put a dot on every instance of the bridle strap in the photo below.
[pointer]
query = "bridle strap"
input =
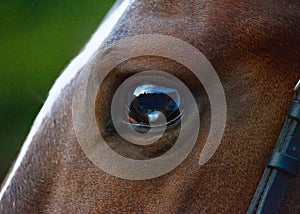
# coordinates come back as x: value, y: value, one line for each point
x: 283, y: 164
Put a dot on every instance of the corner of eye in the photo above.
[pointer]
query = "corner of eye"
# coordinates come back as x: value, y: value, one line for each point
x: 109, y: 128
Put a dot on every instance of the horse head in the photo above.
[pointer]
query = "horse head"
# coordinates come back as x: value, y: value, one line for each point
x: 254, y: 49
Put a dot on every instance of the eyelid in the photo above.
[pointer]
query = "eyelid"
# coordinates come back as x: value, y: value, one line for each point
x: 143, y: 63
x: 136, y: 65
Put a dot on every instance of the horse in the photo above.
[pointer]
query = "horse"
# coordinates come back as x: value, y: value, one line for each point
x: 254, y: 46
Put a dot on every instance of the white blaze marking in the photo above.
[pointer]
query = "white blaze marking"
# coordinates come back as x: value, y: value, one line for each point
x: 65, y: 78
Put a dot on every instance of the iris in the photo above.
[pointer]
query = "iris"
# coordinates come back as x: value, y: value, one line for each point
x: 151, y: 102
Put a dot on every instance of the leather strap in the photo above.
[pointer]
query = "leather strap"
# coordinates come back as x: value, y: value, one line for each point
x: 283, y: 164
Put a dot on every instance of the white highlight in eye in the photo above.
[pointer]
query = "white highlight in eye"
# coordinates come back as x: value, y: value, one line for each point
x: 153, y: 116
x: 151, y: 89
x: 69, y: 73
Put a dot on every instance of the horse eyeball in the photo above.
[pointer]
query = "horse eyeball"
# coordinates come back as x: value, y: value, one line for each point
x: 150, y: 104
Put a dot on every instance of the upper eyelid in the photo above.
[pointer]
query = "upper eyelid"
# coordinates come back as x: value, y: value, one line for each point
x: 144, y: 63
x: 139, y: 64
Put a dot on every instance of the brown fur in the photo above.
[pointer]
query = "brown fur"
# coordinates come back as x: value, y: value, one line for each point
x: 255, y: 48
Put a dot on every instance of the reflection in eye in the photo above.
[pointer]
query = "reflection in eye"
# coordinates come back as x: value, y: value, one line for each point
x: 150, y: 104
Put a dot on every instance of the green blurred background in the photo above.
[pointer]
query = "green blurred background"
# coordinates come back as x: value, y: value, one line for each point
x: 37, y: 40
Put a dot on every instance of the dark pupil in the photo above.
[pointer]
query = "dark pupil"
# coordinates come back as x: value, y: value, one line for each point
x: 150, y: 106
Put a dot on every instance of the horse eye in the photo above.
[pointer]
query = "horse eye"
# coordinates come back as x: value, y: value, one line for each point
x: 150, y: 103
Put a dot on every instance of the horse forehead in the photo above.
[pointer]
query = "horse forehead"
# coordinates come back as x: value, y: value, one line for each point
x: 222, y: 9
x: 197, y: 18
x: 214, y: 24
